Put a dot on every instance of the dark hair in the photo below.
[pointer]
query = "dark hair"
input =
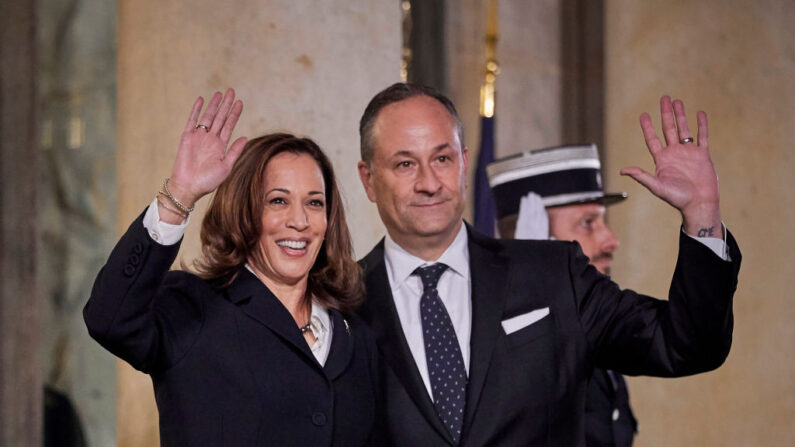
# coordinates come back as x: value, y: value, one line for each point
x: 232, y: 225
x: 392, y: 94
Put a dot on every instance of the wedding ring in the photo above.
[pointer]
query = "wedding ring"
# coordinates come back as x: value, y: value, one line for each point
x: 686, y: 140
x: 202, y: 126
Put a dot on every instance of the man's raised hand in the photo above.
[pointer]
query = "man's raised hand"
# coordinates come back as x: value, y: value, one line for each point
x: 684, y: 175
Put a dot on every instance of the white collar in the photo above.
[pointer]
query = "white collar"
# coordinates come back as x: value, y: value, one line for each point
x: 401, y: 263
x: 320, y: 319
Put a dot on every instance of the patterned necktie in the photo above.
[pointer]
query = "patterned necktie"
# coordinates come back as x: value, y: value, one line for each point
x: 442, y: 352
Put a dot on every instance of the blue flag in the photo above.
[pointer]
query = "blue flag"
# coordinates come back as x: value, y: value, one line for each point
x: 485, y: 212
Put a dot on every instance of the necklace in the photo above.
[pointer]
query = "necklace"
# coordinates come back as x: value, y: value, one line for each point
x: 308, y: 325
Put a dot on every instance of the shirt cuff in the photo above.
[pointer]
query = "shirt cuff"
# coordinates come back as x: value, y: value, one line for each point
x: 161, y: 232
x: 717, y: 245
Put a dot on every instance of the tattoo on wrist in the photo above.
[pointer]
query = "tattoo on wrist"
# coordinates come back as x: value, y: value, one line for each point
x: 706, y: 232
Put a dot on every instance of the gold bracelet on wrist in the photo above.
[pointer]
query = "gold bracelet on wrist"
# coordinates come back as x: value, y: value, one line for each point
x: 174, y: 200
x: 164, y: 203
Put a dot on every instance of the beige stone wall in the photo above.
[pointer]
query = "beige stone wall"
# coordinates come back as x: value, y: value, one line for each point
x: 299, y: 65
x: 528, y: 111
x: 529, y: 51
x: 465, y: 32
x: 20, y: 294
x: 736, y: 61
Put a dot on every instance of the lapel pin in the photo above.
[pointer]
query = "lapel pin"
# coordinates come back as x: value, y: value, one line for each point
x: 347, y: 327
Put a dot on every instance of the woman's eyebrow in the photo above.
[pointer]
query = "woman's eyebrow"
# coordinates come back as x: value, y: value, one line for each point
x: 286, y: 191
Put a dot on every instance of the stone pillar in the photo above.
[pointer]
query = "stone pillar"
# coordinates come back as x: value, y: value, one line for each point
x: 735, y: 60
x: 20, y: 376
x: 299, y: 65
x: 76, y: 85
x: 529, y: 111
x: 465, y: 34
x: 582, y: 53
x: 427, y: 42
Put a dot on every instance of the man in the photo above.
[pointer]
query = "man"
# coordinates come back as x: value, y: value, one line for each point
x: 557, y: 192
x: 491, y: 342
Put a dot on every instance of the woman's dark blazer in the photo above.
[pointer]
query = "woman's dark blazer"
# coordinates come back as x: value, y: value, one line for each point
x: 229, y: 365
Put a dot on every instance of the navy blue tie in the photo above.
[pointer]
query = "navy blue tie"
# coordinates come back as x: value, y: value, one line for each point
x: 442, y: 352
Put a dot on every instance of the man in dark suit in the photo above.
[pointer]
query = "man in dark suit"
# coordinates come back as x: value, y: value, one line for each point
x: 557, y: 193
x: 491, y: 342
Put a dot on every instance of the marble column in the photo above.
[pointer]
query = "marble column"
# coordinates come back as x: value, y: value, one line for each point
x: 529, y: 110
x: 299, y: 65
x: 529, y: 113
x: 76, y: 84
x: 465, y: 34
x: 20, y: 377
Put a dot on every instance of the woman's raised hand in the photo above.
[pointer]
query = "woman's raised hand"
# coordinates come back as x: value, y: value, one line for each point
x: 203, y: 160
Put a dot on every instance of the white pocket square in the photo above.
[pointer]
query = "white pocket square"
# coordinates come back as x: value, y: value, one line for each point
x: 513, y: 324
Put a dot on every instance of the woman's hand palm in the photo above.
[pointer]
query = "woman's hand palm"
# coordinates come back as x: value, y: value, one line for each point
x: 203, y: 161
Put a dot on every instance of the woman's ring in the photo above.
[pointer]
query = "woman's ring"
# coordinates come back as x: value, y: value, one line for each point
x: 686, y: 140
x: 202, y: 126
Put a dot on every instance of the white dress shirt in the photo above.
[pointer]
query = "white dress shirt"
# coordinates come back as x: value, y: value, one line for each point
x: 716, y: 244
x: 320, y: 320
x: 454, y: 288
x: 322, y: 328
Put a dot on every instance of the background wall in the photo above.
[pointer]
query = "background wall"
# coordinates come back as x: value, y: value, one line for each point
x: 529, y: 85
x: 735, y: 60
x: 299, y: 65
x: 77, y: 209
x: 465, y: 31
x: 528, y: 113
x: 21, y: 380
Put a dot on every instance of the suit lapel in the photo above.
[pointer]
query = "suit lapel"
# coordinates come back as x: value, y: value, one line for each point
x: 342, y: 342
x: 250, y: 295
x: 489, y: 273
x: 381, y: 314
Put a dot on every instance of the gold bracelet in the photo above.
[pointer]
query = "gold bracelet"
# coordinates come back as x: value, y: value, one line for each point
x: 163, y: 203
x: 173, y: 199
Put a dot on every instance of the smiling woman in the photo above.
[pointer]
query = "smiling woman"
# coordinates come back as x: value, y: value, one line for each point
x: 281, y: 194
x: 258, y: 346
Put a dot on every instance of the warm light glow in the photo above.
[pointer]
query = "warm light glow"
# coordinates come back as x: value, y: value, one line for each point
x: 405, y: 6
x: 487, y: 100
x: 77, y: 131
x: 492, y: 69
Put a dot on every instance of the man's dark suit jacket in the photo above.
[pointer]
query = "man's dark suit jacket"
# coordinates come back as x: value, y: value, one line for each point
x: 229, y: 365
x: 609, y: 421
x: 528, y: 388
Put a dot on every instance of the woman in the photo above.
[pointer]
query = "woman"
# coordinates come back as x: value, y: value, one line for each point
x: 257, y: 346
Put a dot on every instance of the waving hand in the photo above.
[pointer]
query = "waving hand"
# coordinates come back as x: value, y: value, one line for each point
x: 203, y: 160
x: 684, y: 175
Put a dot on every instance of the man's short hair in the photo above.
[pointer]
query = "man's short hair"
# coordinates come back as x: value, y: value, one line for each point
x: 395, y: 93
